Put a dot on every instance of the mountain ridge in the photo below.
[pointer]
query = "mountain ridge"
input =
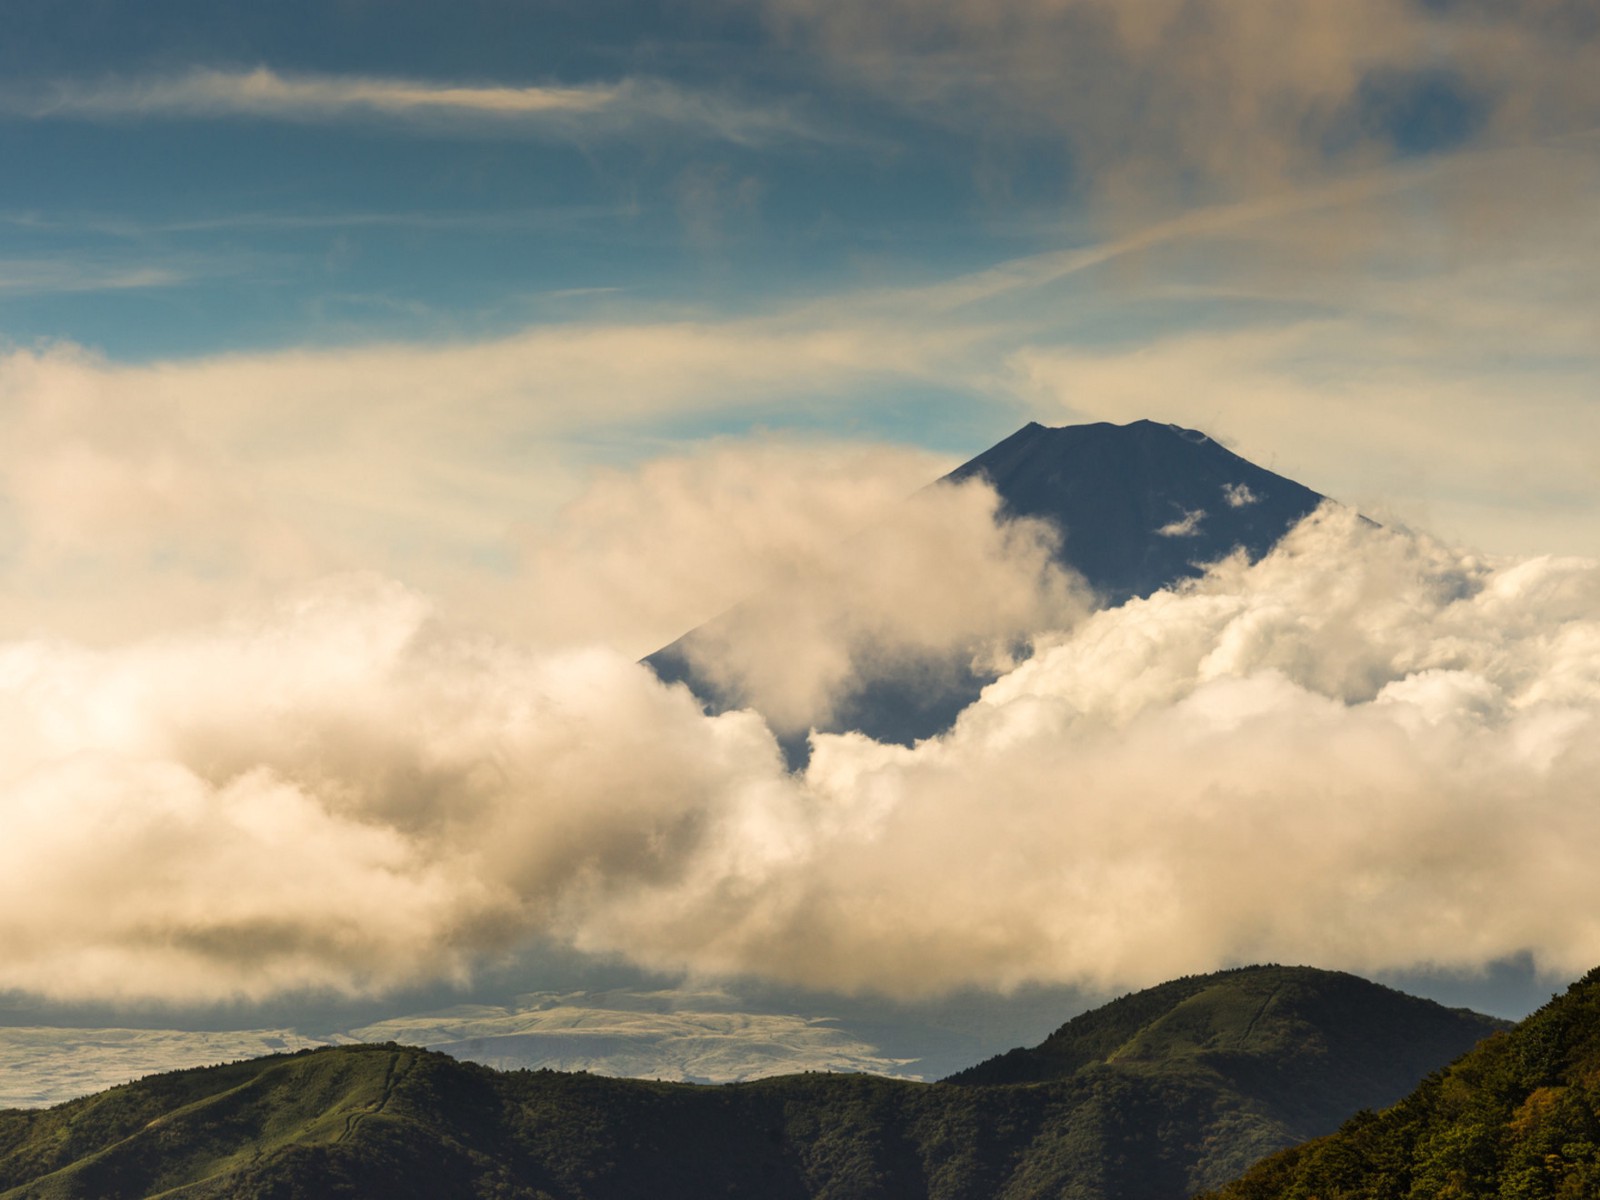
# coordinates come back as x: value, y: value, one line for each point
x: 391, y: 1121
x: 1113, y: 489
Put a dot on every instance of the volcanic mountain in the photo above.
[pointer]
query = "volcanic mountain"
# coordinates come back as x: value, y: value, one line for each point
x: 1138, y: 508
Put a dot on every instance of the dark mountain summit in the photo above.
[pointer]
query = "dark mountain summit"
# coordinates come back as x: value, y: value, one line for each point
x: 1149, y: 1098
x: 1138, y: 507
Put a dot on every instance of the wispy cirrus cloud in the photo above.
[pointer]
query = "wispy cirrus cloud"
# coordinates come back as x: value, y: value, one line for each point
x: 507, y: 220
x: 561, y: 110
x: 43, y: 276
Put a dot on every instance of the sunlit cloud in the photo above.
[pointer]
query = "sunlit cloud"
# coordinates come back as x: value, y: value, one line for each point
x: 867, y: 609
x: 262, y: 93
x: 1188, y: 525
x: 319, y: 663
x: 641, y: 555
x: 185, y: 488
x: 1457, y: 397
x: 1369, y: 750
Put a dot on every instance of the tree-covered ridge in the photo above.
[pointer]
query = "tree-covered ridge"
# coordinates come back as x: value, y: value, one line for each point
x: 1157, y: 1115
x: 386, y: 1121
x: 1517, y: 1119
x: 1267, y: 1031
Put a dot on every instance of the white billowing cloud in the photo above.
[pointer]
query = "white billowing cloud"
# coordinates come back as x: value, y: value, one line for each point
x: 185, y: 487
x: 1367, y: 751
x: 337, y: 795
x: 640, y: 556
x: 573, y: 110
x: 1238, y: 495
x: 181, y: 809
x: 945, y: 583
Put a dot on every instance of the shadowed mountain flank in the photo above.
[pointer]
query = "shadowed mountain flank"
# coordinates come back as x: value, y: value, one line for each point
x: 1150, y: 1098
x: 1135, y: 508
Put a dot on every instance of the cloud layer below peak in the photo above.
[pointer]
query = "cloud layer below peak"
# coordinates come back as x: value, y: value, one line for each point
x: 1367, y: 750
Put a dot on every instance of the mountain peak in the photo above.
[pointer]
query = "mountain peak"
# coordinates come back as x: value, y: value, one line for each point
x: 1140, y: 506
x: 1230, y: 1019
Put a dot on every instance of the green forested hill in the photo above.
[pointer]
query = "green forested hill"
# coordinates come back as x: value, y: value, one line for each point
x: 1156, y: 1095
x: 1517, y: 1119
x: 1310, y: 1046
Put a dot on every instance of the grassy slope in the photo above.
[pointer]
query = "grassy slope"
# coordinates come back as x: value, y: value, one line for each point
x: 1151, y: 1097
x: 172, y: 1130
x: 1517, y: 1119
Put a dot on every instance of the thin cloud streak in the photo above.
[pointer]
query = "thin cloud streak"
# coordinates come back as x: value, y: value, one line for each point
x: 572, y: 110
x: 1337, y: 204
x: 293, y: 222
x: 43, y: 277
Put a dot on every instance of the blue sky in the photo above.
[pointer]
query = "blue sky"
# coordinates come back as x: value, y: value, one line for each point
x: 325, y: 327
x: 334, y: 221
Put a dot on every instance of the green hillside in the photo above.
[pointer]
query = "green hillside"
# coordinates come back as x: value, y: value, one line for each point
x: 1151, y: 1097
x: 1517, y: 1119
x: 1310, y: 1047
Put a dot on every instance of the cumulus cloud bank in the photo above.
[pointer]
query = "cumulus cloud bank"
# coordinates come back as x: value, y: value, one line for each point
x: 1367, y: 750
x: 189, y: 487
x: 642, y: 555
x: 944, y: 586
x: 339, y: 794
